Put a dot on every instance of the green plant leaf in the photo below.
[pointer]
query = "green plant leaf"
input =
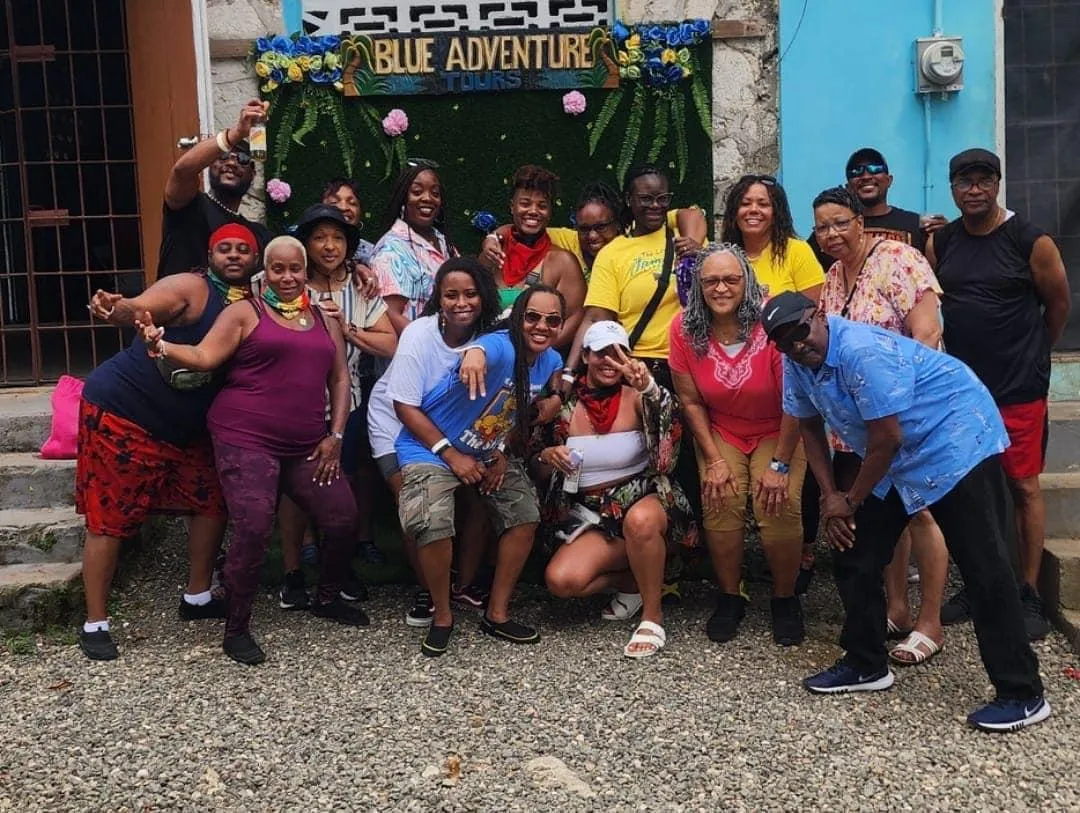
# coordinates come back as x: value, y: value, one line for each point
x: 603, y: 119
x: 700, y: 95
x: 337, y: 116
x: 310, y: 107
x: 678, y: 117
x: 660, y: 128
x: 290, y: 110
x: 633, y: 132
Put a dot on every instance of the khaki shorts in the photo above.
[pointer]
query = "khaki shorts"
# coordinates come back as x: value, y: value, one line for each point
x: 748, y: 470
x: 426, y: 503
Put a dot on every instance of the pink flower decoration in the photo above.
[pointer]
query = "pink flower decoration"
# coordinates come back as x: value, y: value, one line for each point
x: 395, y: 123
x: 574, y: 103
x: 278, y: 190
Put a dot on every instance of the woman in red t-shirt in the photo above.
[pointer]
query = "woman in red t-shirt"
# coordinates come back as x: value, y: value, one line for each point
x: 730, y: 381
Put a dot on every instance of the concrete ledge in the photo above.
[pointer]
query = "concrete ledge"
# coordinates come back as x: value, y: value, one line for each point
x: 1061, y: 490
x: 25, y: 419
x: 28, y: 481
x: 33, y: 597
x: 1068, y: 621
x: 40, y: 535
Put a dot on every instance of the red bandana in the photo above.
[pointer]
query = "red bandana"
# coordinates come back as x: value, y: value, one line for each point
x: 522, y: 258
x: 601, y: 405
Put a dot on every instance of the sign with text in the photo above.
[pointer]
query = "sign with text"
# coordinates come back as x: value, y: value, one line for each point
x: 464, y: 62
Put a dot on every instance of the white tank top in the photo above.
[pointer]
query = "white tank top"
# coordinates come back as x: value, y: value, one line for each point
x: 611, y: 457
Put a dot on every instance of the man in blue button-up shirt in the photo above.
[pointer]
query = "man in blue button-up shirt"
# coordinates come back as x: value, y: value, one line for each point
x: 929, y: 436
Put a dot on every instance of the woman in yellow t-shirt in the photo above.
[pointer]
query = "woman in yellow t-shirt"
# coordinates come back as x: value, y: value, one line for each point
x: 758, y: 219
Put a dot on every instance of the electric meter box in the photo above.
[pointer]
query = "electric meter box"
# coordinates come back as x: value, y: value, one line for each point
x: 939, y: 64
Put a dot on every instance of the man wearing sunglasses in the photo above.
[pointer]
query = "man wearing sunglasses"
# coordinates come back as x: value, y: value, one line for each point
x: 190, y: 216
x: 929, y: 436
x: 867, y: 176
x: 1006, y: 303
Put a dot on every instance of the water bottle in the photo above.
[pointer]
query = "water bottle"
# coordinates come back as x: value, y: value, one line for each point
x: 570, y: 481
x: 257, y: 141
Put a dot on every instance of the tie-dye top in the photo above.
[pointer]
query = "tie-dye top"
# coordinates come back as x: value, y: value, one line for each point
x: 406, y: 264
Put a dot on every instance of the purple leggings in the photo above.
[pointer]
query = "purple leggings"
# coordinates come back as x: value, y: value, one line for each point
x: 251, y: 482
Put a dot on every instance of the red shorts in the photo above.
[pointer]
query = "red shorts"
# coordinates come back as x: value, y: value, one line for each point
x: 123, y: 475
x: 1029, y: 430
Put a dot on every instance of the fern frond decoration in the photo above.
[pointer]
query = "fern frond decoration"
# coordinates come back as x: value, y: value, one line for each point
x: 337, y: 116
x: 607, y: 112
x: 678, y: 118
x: 290, y: 110
x: 660, y: 127
x: 370, y: 119
x: 633, y: 132
x: 700, y: 96
x: 311, y: 114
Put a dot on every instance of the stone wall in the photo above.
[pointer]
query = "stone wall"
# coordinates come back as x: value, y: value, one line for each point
x: 745, y: 93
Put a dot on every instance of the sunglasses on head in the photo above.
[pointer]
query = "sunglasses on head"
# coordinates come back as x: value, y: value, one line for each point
x: 767, y: 180
x: 866, y: 169
x: 424, y: 163
x: 242, y: 158
x: 552, y: 320
x: 798, y: 333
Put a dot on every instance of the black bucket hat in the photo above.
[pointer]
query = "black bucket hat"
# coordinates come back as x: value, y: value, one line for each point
x: 325, y: 213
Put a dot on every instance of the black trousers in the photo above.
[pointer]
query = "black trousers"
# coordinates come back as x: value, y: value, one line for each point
x: 973, y: 519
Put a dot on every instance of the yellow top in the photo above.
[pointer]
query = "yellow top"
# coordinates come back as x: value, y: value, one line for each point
x: 567, y: 239
x: 799, y: 271
x: 624, y: 278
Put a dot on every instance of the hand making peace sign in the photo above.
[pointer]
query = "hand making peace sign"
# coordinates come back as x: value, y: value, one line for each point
x: 634, y: 372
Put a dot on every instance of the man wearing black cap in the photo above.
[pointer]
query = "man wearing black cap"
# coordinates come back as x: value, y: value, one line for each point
x: 189, y: 216
x: 868, y: 178
x: 1006, y: 302
x: 929, y: 435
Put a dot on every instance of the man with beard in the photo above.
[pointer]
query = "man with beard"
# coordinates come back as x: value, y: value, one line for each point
x: 1006, y: 303
x: 929, y: 436
x: 869, y: 180
x: 190, y: 216
x: 143, y: 446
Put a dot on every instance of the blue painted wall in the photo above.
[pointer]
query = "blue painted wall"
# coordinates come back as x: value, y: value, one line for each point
x: 847, y: 81
x: 291, y: 14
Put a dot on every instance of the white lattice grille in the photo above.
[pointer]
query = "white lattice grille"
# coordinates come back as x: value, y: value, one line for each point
x: 346, y: 17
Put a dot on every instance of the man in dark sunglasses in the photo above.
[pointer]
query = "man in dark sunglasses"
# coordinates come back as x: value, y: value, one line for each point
x: 930, y: 437
x: 867, y: 176
x: 189, y: 215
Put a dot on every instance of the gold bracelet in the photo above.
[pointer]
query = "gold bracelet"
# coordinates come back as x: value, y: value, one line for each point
x: 715, y: 463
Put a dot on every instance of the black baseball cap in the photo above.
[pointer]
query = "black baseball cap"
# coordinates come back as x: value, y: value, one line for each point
x: 865, y: 155
x: 975, y: 158
x: 324, y: 213
x: 784, y: 309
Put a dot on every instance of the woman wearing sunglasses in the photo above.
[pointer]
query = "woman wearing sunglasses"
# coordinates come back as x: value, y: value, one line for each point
x: 455, y: 438
x: 889, y: 284
x: 757, y: 218
x: 408, y: 256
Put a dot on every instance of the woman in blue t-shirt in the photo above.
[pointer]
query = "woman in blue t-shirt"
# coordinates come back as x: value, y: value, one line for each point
x: 456, y: 438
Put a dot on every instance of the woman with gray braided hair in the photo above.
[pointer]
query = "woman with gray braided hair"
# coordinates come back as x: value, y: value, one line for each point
x: 729, y: 378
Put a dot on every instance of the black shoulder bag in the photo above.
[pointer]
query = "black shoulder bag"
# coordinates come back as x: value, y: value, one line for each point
x: 661, y: 289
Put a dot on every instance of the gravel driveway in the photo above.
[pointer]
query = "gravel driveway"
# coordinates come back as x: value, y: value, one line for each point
x: 343, y: 719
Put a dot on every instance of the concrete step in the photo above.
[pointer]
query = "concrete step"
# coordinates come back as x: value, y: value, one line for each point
x: 33, y: 597
x: 1059, y: 576
x: 40, y: 535
x: 1063, y: 449
x: 1061, y: 490
x: 1068, y: 621
x: 28, y: 481
x: 25, y: 418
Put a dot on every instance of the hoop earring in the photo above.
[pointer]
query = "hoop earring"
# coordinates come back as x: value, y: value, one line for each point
x: 403, y: 211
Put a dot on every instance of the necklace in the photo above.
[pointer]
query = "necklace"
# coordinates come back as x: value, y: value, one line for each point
x: 220, y: 205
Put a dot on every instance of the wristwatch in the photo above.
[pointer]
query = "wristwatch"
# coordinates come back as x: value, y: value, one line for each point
x: 854, y: 506
x: 779, y: 467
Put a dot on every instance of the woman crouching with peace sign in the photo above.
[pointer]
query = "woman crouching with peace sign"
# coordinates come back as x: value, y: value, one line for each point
x: 270, y: 434
x: 610, y: 453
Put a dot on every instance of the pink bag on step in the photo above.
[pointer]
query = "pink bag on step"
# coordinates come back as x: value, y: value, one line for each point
x: 62, y: 443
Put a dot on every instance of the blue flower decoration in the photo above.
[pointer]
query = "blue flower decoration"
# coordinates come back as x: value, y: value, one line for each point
x: 262, y: 45
x: 282, y: 45
x: 701, y: 27
x: 653, y: 33
x: 672, y: 38
x: 330, y: 42
x: 687, y: 34
x: 484, y: 222
x: 304, y: 45
x: 278, y: 75
x: 620, y: 32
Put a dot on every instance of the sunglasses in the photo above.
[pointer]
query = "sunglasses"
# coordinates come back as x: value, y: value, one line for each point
x: 242, y: 158
x: 799, y: 333
x: 552, y: 320
x: 425, y: 163
x: 866, y: 169
x: 767, y: 180
x: 654, y: 200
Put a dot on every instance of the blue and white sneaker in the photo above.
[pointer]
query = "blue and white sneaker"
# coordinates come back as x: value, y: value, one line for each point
x: 1010, y: 715
x: 840, y: 678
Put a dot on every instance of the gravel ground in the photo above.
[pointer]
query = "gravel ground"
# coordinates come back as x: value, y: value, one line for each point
x: 343, y: 719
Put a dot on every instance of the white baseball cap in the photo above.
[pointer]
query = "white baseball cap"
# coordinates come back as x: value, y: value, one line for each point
x: 604, y: 334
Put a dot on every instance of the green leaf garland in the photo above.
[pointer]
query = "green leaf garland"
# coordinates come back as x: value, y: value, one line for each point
x: 633, y: 132
x: 701, y: 97
x: 660, y: 127
x: 289, y: 113
x: 337, y: 115
x: 678, y: 117
x: 311, y: 117
x: 607, y: 112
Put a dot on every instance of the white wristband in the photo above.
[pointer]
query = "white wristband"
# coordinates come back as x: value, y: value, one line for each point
x: 440, y: 444
x: 651, y: 390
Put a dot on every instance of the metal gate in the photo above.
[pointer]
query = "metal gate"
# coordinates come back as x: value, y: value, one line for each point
x: 69, y: 210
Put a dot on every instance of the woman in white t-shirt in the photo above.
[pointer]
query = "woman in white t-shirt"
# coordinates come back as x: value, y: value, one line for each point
x: 464, y: 303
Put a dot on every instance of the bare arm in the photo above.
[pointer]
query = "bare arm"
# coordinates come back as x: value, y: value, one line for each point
x: 591, y: 315
x: 218, y: 346
x: 813, y: 293
x: 166, y: 300
x: 570, y: 282
x: 883, y: 440
x: 924, y: 320
x: 788, y: 440
x: 696, y: 415
x: 395, y: 311
x: 929, y: 253
x: 379, y: 340
x: 691, y: 223
x: 1052, y: 286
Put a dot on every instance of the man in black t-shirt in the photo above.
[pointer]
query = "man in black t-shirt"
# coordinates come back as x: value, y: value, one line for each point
x: 868, y: 178
x: 1006, y: 301
x: 189, y: 216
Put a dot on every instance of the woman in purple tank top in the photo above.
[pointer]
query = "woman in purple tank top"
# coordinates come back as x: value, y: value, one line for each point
x: 269, y: 432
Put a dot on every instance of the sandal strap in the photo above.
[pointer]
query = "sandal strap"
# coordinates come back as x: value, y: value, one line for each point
x: 650, y: 629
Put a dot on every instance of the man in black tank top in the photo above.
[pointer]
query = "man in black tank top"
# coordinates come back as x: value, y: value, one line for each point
x: 1006, y: 302
x: 143, y: 446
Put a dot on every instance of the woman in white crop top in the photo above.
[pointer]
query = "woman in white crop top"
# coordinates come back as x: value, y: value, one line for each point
x: 625, y: 428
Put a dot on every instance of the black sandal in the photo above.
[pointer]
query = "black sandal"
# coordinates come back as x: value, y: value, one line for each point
x: 436, y: 641
x: 510, y: 630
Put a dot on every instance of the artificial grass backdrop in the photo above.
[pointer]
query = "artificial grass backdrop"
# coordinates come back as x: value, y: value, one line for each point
x: 478, y: 141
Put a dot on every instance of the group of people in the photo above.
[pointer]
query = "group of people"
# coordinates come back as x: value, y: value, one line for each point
x: 609, y: 394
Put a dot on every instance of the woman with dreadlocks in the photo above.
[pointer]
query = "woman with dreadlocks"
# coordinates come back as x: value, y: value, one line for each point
x: 452, y: 439
x: 729, y: 379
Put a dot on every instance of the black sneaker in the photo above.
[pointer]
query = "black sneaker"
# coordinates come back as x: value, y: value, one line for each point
x: 509, y: 631
x: 723, y: 625
x: 352, y: 589
x: 342, y: 612
x: 1035, y: 624
x: 802, y: 581
x: 243, y: 649
x: 214, y: 608
x: 422, y: 611
x: 293, y: 594
x: 787, y: 621
x: 957, y: 609
x: 471, y: 596
x: 98, y: 645
x: 369, y: 552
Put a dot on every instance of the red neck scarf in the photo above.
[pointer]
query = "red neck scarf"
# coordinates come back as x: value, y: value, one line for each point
x: 522, y: 258
x: 601, y: 404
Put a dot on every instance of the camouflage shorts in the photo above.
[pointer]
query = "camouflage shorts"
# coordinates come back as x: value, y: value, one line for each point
x: 426, y: 503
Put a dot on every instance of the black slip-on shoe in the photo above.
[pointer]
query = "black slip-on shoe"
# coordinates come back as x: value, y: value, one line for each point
x: 510, y: 630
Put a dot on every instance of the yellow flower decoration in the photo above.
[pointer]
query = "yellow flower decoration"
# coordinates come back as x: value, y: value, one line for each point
x: 269, y: 86
x: 633, y: 41
x: 316, y: 63
x: 294, y: 73
x: 331, y: 61
x: 262, y: 70
x: 339, y: 86
x: 304, y: 62
x: 624, y: 58
x: 668, y: 56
